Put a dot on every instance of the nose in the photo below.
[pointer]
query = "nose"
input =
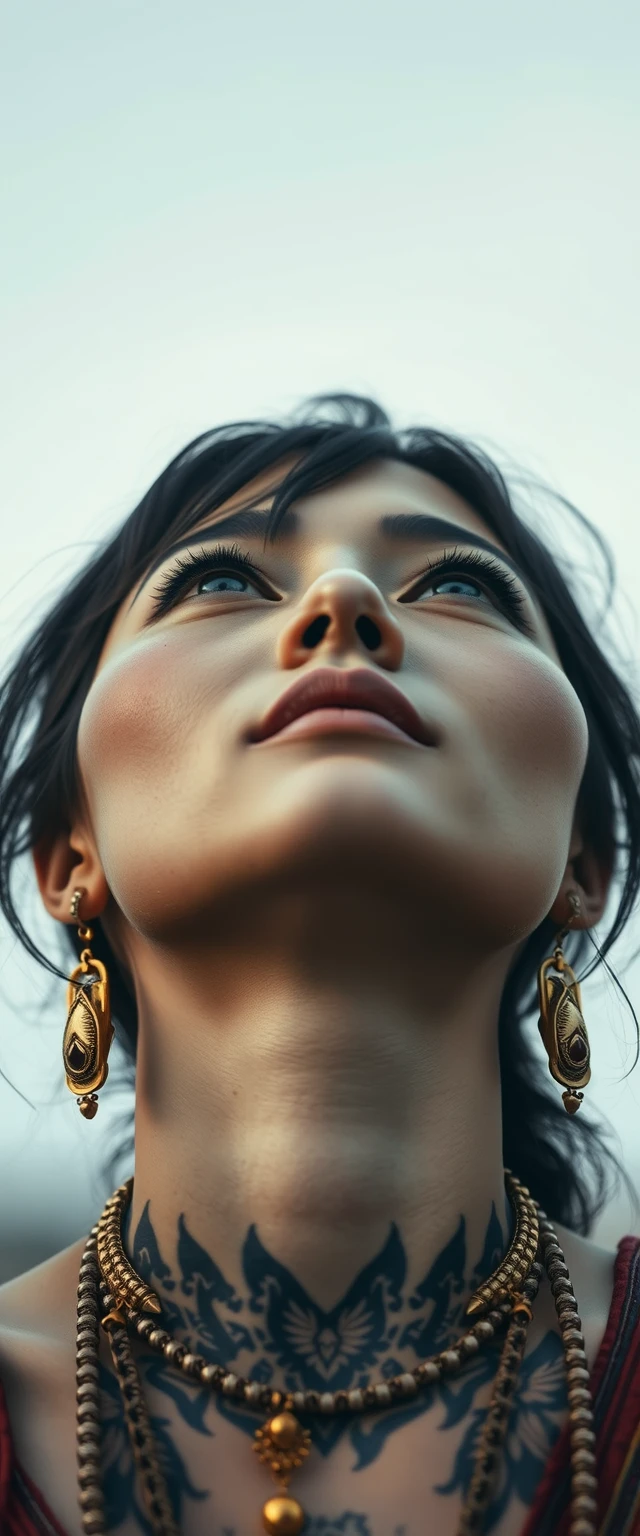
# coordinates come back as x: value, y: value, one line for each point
x: 342, y: 613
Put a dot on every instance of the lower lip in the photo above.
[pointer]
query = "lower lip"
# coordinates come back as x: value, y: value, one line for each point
x: 341, y: 722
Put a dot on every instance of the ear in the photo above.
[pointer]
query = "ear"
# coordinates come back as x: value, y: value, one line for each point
x: 590, y: 877
x: 66, y: 863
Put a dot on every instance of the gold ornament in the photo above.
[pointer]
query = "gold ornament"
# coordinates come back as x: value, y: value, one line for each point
x: 283, y: 1516
x: 282, y: 1445
x: 510, y: 1274
x: 126, y: 1287
x: 561, y: 1024
x: 88, y: 1030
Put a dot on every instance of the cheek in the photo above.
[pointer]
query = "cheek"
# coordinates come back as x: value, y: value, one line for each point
x: 531, y: 720
x: 148, y: 740
x: 136, y: 711
x: 527, y: 748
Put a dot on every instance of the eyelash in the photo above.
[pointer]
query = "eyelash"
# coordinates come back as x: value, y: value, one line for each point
x: 203, y: 562
x: 503, y: 586
x: 187, y: 568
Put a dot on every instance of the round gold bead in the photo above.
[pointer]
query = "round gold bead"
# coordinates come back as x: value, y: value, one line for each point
x: 284, y: 1431
x: 283, y: 1516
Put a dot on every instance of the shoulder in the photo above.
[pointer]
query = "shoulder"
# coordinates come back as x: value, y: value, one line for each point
x: 37, y: 1362
x: 41, y: 1302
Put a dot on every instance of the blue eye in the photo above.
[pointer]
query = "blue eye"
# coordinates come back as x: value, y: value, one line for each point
x: 457, y: 571
x: 225, y: 569
x: 225, y: 582
x: 457, y: 584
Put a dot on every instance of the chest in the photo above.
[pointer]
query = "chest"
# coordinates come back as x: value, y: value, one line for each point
x: 393, y: 1474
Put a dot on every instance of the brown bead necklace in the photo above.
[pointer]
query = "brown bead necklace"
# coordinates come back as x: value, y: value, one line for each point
x: 112, y: 1296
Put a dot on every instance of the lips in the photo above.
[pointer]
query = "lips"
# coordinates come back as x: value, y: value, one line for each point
x: 359, y: 689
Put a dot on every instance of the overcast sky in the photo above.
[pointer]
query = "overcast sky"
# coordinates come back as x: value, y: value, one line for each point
x: 213, y: 211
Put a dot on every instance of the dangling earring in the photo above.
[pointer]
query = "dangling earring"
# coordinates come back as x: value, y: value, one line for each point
x: 561, y: 1024
x: 88, y: 1031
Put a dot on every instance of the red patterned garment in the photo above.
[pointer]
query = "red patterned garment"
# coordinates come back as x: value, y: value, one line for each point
x: 616, y: 1388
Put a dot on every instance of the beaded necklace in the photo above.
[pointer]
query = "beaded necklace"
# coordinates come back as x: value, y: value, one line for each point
x: 112, y: 1296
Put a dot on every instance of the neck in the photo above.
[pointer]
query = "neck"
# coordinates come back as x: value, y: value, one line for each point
x: 317, y: 1124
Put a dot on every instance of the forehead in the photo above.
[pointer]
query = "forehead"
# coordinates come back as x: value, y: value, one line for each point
x: 356, y: 502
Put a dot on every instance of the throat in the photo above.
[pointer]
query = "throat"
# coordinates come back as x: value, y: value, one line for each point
x: 271, y: 1327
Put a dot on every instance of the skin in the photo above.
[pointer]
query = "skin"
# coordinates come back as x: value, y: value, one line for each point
x: 318, y: 932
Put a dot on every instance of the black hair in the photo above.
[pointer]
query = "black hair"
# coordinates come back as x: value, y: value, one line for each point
x: 567, y: 1165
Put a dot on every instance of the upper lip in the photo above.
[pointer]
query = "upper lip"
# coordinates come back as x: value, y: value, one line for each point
x: 331, y: 688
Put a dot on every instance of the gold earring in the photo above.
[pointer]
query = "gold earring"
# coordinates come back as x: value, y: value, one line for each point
x: 88, y: 1030
x: 561, y: 1024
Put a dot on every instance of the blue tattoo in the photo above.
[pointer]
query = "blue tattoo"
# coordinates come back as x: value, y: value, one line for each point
x: 120, y: 1483
x: 275, y: 1332
x: 539, y: 1406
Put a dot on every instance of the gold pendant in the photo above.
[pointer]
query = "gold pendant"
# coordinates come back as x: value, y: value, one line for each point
x: 282, y: 1444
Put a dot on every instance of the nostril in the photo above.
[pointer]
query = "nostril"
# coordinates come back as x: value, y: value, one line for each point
x: 369, y: 632
x: 315, y: 632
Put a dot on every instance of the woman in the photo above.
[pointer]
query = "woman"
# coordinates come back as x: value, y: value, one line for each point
x: 329, y: 773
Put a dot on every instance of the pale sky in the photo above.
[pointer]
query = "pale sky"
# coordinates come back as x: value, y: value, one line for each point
x: 211, y: 212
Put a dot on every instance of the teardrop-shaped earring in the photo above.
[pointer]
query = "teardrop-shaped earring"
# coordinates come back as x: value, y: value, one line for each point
x: 88, y: 1030
x: 561, y: 1024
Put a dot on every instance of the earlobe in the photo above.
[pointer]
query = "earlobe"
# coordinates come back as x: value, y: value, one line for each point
x: 63, y: 863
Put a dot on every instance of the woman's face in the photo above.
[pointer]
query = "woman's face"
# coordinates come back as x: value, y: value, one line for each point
x: 189, y: 802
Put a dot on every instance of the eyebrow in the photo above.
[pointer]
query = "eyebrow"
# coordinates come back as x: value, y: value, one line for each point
x: 424, y: 527
x: 418, y: 527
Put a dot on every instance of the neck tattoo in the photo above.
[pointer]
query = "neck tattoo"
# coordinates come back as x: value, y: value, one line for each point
x: 297, y: 1377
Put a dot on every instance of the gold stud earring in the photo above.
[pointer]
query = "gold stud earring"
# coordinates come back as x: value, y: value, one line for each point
x: 561, y: 1025
x: 88, y: 1030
